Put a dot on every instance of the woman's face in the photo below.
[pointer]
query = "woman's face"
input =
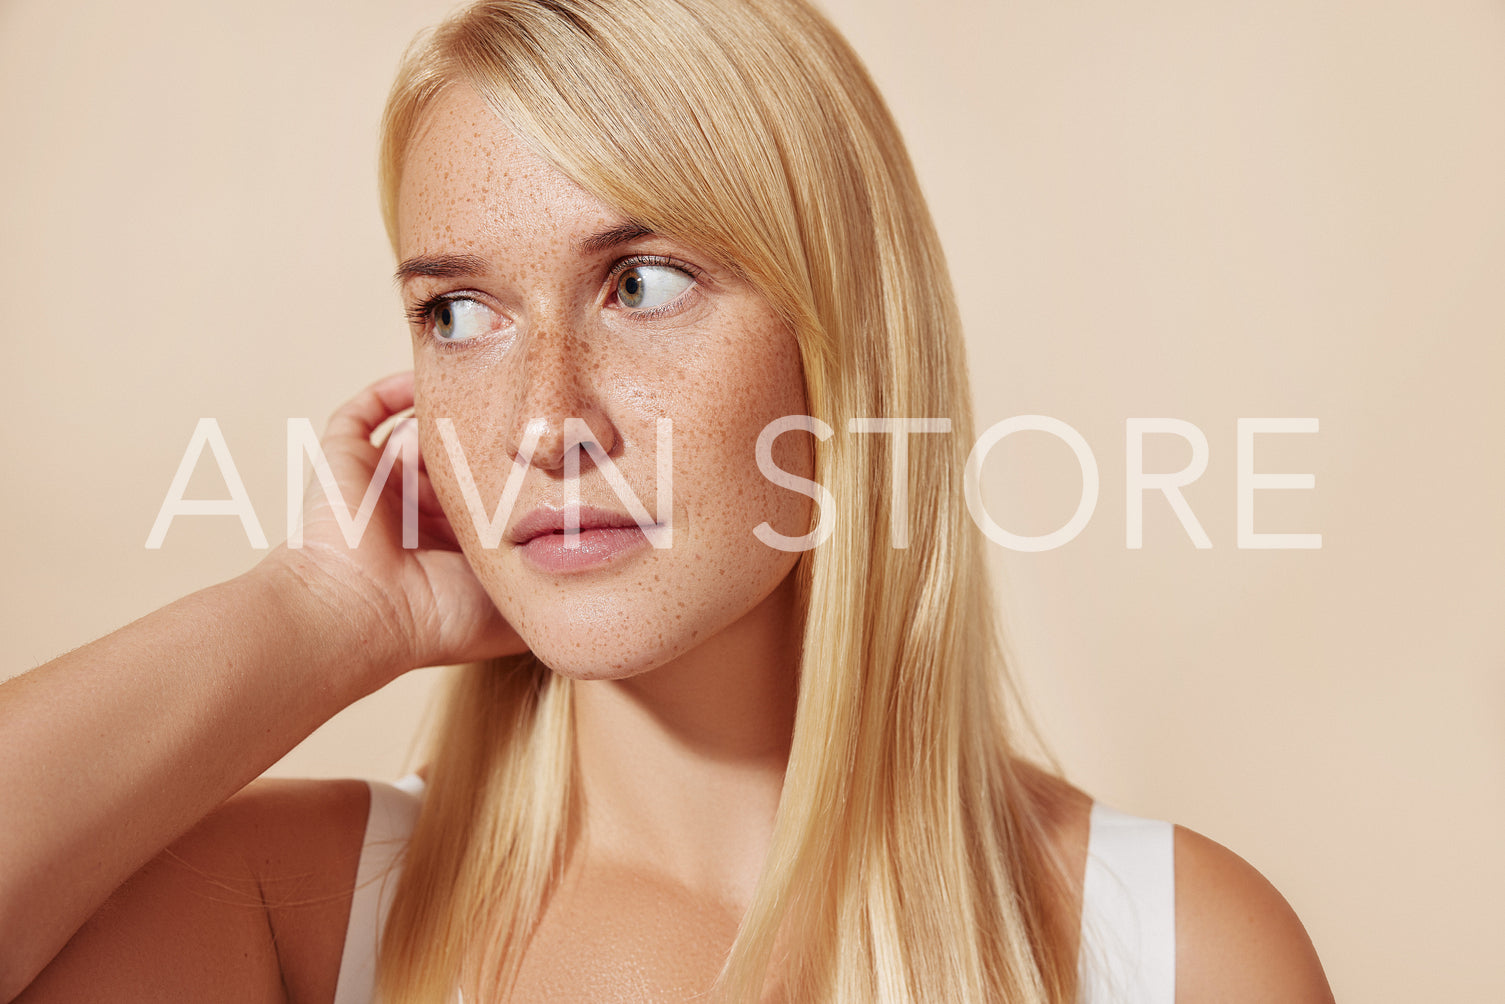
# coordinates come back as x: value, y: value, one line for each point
x: 535, y: 303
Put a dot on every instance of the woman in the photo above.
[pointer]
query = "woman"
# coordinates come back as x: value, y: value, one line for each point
x: 744, y: 742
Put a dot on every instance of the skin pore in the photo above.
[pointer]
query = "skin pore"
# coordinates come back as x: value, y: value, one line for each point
x: 685, y: 657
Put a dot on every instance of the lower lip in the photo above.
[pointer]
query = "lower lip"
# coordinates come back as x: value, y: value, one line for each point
x: 551, y: 553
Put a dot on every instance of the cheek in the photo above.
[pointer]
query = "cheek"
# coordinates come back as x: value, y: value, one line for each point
x: 433, y: 398
x: 438, y: 394
x: 441, y: 395
x: 724, y: 486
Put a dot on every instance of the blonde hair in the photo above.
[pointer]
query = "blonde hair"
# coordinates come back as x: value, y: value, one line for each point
x: 910, y: 860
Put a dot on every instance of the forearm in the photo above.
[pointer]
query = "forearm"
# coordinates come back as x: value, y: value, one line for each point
x: 111, y: 752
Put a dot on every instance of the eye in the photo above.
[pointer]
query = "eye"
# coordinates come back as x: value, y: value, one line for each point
x: 459, y: 319
x: 644, y: 287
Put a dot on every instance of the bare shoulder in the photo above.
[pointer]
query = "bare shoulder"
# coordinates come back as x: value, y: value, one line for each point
x: 1237, y: 939
x: 249, y: 905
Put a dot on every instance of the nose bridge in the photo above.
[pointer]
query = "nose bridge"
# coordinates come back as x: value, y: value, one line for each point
x: 556, y: 385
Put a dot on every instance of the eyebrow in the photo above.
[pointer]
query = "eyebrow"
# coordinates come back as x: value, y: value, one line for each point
x: 441, y: 266
x: 612, y: 237
x: 460, y: 266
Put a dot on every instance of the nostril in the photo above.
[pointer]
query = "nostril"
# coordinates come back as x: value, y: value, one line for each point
x: 541, y: 445
x: 557, y: 444
x: 579, y: 435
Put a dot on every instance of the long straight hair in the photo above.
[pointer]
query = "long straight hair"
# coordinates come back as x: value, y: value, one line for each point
x: 911, y: 859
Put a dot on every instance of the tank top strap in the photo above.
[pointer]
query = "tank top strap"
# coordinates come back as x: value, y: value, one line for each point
x: 389, y: 824
x: 1128, y: 953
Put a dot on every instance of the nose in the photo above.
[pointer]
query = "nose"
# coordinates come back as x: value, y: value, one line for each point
x: 558, y: 408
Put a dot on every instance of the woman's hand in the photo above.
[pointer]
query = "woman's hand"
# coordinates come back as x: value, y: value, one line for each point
x: 424, y: 604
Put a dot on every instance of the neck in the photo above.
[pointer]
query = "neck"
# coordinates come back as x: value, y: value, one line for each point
x: 681, y: 767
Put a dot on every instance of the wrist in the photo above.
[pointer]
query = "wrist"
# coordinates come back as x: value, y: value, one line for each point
x: 350, y: 628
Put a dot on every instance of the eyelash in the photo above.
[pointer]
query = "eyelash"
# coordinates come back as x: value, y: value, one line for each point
x: 422, y: 313
x: 633, y: 261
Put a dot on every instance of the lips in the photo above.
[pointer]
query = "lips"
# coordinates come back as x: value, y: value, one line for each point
x: 605, y: 538
x: 552, y: 520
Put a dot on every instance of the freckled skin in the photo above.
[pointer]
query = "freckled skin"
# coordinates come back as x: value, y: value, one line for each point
x: 559, y: 343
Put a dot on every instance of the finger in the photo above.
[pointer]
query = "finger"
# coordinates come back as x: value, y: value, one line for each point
x: 359, y: 417
x: 404, y: 440
x: 391, y: 425
x: 436, y: 534
x: 428, y: 499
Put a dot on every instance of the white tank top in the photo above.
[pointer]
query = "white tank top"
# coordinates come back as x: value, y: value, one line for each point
x: 1128, y: 953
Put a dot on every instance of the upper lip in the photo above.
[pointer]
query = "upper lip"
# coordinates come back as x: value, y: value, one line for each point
x: 551, y: 519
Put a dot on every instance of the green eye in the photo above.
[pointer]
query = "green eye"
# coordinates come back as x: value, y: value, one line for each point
x: 644, y: 287
x: 459, y: 320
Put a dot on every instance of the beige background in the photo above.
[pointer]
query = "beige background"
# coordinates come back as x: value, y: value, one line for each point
x: 1198, y: 210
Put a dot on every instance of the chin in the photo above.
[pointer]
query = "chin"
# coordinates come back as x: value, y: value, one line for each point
x: 600, y: 658
x: 605, y: 639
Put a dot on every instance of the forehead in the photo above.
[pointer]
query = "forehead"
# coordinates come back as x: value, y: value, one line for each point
x: 468, y: 181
